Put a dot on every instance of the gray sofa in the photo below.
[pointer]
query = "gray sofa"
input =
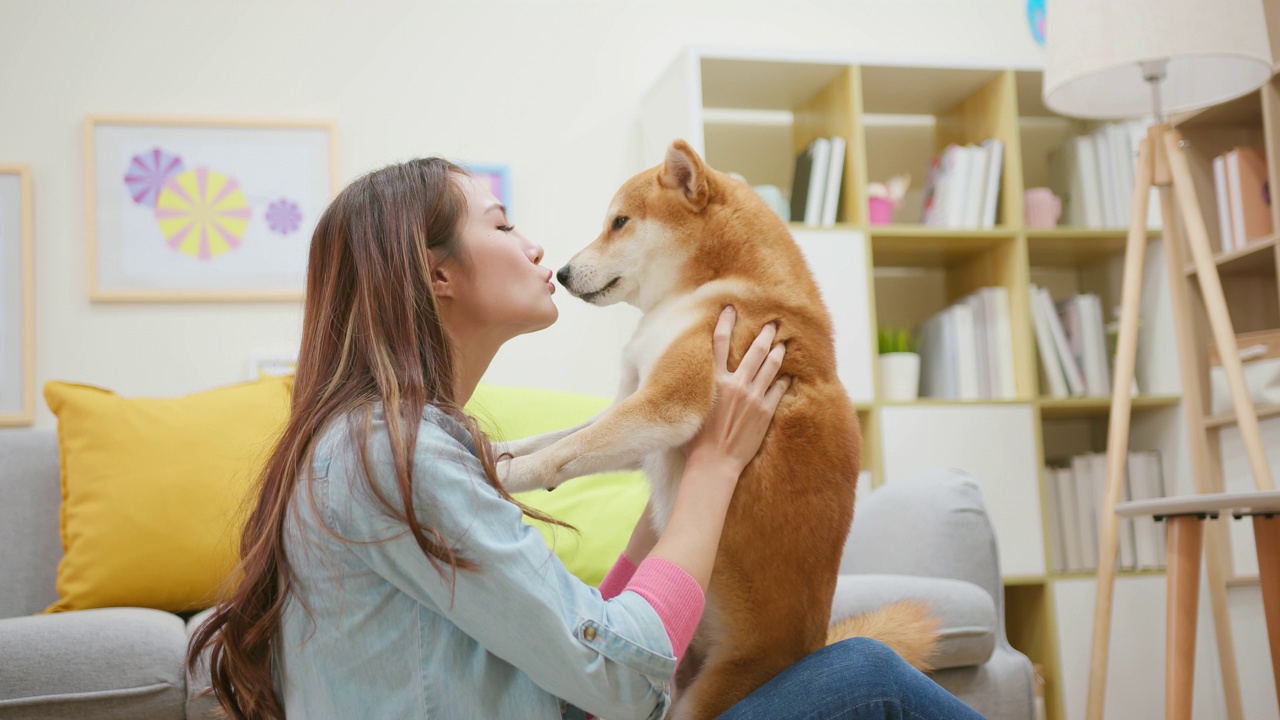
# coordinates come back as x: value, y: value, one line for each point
x: 928, y: 537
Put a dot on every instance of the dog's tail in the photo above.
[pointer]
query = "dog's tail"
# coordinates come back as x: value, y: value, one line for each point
x: 906, y: 626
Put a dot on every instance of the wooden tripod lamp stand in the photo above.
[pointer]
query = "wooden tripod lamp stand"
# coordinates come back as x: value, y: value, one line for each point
x: 1108, y: 59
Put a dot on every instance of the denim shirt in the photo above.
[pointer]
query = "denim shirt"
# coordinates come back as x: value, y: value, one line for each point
x: 372, y: 629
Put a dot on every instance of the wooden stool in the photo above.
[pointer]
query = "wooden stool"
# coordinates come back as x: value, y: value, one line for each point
x: 1184, y: 514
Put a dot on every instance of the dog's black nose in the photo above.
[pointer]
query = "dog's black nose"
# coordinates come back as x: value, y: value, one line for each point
x: 563, y: 275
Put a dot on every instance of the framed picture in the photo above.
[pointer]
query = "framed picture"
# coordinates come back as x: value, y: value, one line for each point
x: 499, y: 179
x: 204, y: 210
x: 17, y: 298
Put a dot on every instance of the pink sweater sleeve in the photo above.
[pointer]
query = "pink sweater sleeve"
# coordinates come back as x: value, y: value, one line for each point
x: 618, y: 577
x: 674, y: 595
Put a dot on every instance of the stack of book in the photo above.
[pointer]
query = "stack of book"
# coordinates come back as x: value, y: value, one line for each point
x: 966, y: 351
x: 962, y: 189
x: 1075, y: 496
x: 1094, y: 175
x: 815, y: 186
x: 1072, y: 344
x: 1244, y: 197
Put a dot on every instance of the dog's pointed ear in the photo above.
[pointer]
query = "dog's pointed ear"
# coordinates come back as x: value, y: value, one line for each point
x: 683, y: 171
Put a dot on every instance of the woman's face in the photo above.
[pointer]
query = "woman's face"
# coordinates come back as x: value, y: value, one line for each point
x: 500, y: 286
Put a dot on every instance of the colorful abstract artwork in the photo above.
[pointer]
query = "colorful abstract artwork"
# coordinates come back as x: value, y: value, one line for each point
x: 1036, y: 19
x: 147, y: 174
x: 202, y: 213
x: 499, y: 179
x: 205, y: 210
x: 284, y: 217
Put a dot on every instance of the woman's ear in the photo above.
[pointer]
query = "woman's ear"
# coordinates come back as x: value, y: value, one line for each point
x: 442, y: 281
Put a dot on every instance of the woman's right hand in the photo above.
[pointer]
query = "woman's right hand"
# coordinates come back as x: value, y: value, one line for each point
x: 745, y: 399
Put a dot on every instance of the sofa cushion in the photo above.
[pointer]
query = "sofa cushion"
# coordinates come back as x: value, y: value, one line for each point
x: 201, y: 705
x: 28, y: 521
x: 109, y: 663
x: 604, y: 508
x: 153, y: 490
x: 967, y: 612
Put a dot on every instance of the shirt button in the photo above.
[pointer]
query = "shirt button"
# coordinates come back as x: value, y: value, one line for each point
x: 589, y: 632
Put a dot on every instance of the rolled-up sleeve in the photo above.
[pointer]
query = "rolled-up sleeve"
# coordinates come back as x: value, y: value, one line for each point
x: 612, y: 658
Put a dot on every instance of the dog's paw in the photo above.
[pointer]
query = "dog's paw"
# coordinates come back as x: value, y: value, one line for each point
x: 523, y: 474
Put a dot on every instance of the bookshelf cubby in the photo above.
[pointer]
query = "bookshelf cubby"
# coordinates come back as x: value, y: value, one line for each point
x: 753, y: 113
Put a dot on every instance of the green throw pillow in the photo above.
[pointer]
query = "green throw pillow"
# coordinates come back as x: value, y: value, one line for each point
x: 604, y: 508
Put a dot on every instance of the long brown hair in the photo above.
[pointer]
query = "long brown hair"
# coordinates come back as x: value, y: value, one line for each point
x: 371, y: 332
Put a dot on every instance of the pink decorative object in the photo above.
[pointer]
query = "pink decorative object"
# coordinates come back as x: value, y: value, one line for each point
x: 1043, y: 207
x: 147, y: 174
x: 880, y: 210
x: 283, y: 216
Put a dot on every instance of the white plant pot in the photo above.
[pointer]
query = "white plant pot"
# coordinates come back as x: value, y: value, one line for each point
x: 900, y: 376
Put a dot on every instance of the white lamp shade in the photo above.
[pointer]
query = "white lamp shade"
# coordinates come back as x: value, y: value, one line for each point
x: 1216, y: 50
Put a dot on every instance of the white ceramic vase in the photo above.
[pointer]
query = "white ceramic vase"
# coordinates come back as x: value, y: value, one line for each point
x: 900, y: 376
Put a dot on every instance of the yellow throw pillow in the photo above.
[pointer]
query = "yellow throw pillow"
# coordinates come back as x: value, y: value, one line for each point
x: 154, y: 491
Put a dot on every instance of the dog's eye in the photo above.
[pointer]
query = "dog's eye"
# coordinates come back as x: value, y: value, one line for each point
x: 619, y: 221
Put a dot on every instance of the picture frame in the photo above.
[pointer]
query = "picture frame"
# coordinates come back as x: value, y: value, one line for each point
x: 17, y: 298
x: 499, y: 179
x: 186, y: 209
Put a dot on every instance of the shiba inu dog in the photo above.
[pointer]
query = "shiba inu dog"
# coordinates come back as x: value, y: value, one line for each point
x: 681, y: 241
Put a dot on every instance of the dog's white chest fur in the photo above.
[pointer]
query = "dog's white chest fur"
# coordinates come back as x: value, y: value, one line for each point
x: 659, y: 327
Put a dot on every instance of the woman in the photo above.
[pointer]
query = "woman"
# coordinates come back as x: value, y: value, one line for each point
x: 385, y: 570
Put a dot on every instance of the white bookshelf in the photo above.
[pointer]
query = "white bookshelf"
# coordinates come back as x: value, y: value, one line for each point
x: 752, y: 113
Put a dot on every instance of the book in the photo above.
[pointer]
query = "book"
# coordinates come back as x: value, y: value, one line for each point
x: 1124, y: 529
x: 1086, y: 515
x: 986, y: 367
x: 975, y: 184
x: 1223, y: 196
x: 1093, y: 344
x: 1090, y: 179
x: 800, y: 179
x: 1250, y: 203
x: 1070, y: 520
x: 1070, y: 369
x: 1125, y: 160
x: 1108, y: 183
x: 835, y: 175
x: 1048, y: 353
x: 1057, y: 538
x: 1006, y: 387
x: 809, y: 182
x: 991, y: 192
x: 966, y: 352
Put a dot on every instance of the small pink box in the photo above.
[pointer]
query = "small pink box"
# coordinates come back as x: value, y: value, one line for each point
x: 879, y: 211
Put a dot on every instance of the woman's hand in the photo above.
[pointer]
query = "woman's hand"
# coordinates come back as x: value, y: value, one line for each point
x: 745, y: 399
x: 744, y: 404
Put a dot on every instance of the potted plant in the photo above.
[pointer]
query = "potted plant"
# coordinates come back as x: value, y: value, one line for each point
x: 899, y: 365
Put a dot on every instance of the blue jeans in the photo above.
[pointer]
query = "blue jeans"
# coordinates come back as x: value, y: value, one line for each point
x: 855, y: 679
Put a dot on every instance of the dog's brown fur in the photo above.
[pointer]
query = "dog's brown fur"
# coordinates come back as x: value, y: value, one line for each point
x: 770, y: 596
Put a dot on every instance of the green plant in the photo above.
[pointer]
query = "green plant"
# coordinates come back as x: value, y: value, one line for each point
x: 894, y: 340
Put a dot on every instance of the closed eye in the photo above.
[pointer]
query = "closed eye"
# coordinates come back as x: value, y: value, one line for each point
x: 506, y: 228
x: 619, y: 221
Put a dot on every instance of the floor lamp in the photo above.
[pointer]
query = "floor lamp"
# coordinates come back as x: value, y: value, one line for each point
x: 1138, y: 58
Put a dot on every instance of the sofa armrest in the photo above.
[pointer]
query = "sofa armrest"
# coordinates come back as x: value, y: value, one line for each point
x: 30, y: 496
x: 968, y: 614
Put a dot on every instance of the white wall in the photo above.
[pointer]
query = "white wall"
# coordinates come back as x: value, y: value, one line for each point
x: 551, y: 88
